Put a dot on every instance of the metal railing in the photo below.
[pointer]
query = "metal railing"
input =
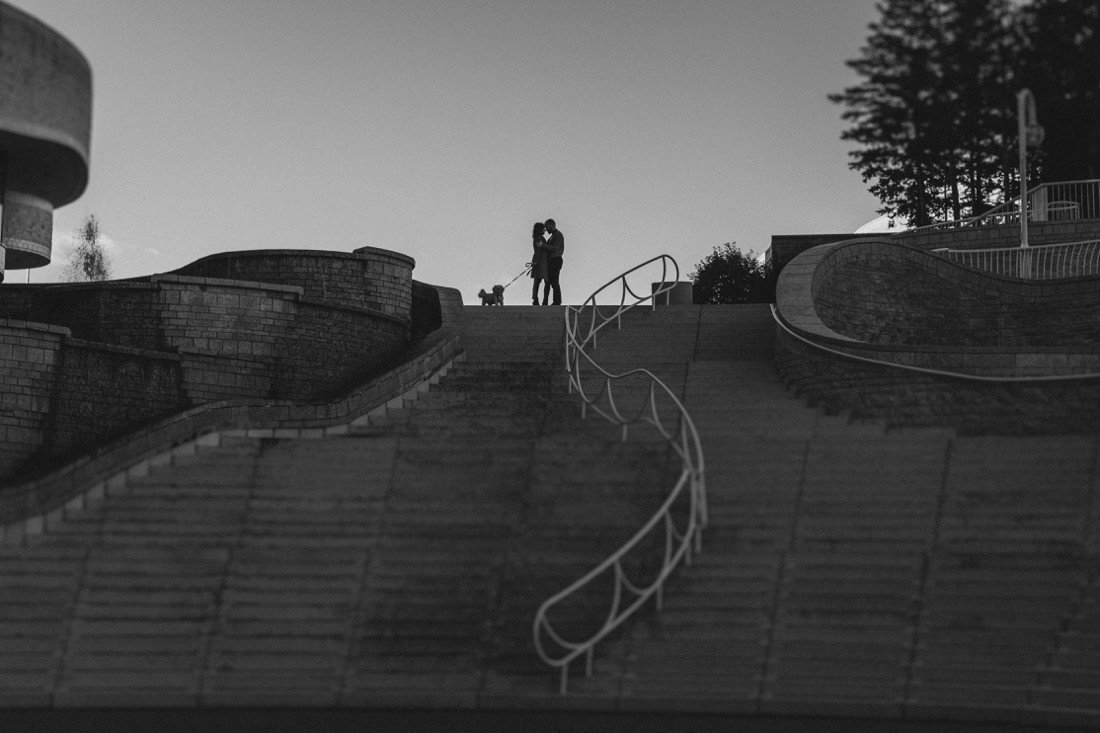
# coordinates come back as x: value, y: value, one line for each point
x: 1060, y: 201
x: 679, y: 542
x: 1041, y: 262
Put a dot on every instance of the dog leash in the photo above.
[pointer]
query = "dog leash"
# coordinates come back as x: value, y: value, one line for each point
x: 526, y: 268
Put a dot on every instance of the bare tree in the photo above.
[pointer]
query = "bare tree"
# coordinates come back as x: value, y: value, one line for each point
x: 89, y: 262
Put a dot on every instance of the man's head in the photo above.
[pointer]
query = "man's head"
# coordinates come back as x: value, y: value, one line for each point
x: 550, y: 225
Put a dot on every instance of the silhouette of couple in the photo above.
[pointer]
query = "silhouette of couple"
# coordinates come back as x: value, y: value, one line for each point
x: 546, y: 261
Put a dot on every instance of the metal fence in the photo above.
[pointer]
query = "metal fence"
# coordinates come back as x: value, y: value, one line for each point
x: 1061, y: 201
x: 1045, y: 262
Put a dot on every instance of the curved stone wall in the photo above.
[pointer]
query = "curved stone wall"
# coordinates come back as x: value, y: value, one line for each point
x: 883, y: 292
x: 895, y: 304
x: 110, y: 463
x: 374, y: 279
x: 133, y: 351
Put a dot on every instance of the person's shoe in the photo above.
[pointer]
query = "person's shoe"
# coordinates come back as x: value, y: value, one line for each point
x: 534, y: 302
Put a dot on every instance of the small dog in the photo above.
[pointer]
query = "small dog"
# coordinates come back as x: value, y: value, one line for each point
x: 494, y: 298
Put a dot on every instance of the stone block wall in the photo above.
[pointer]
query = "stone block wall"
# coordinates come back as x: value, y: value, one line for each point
x: 29, y: 364
x: 328, y: 344
x: 902, y: 307
x: 119, y: 313
x: 369, y: 278
x: 104, y: 389
x: 887, y: 293
x: 123, y: 353
x: 15, y: 300
x: 244, y: 320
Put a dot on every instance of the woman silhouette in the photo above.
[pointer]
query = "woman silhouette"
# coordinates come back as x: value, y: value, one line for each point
x: 540, y: 267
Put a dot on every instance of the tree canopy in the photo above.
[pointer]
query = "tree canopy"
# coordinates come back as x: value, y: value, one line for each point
x: 89, y: 258
x: 728, y: 275
x: 935, y: 113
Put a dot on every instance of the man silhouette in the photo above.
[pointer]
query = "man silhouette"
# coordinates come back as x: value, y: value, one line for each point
x: 556, y: 245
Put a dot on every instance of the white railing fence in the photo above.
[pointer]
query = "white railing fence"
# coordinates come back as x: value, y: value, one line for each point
x: 1043, y: 262
x: 1060, y: 201
x: 682, y: 516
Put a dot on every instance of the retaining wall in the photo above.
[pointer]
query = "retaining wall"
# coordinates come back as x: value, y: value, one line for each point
x: 368, y: 278
x: 29, y: 366
x: 134, y: 351
x: 883, y: 292
x: 881, y: 300
x: 26, y: 506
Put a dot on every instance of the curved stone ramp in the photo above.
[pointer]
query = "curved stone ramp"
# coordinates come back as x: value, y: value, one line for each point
x: 897, y: 577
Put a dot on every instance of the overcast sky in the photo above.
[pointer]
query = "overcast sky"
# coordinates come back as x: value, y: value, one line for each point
x: 444, y: 129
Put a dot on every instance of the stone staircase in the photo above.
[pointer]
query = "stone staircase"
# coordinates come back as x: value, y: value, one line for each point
x: 846, y: 571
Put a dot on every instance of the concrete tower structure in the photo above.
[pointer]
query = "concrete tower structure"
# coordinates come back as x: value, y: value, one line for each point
x: 45, y: 131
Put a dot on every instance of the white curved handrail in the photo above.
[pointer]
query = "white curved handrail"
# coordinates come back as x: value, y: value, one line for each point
x: 684, y: 441
x: 1037, y: 262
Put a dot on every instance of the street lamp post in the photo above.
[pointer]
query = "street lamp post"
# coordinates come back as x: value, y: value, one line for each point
x: 1030, y: 135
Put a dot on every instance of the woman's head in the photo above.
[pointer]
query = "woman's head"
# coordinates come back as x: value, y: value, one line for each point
x: 538, y: 229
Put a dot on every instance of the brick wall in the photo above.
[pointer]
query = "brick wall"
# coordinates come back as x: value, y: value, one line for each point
x: 29, y: 364
x: 888, y: 293
x: 329, y: 344
x: 15, y: 300
x: 369, y: 278
x: 139, y: 348
x: 49, y: 492
x: 105, y: 390
x: 894, y: 303
x: 120, y: 313
x: 243, y: 320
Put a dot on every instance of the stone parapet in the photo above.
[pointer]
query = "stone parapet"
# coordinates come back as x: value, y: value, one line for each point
x: 136, y: 350
x: 369, y: 278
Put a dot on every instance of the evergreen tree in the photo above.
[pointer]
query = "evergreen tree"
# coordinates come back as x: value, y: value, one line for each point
x: 930, y: 114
